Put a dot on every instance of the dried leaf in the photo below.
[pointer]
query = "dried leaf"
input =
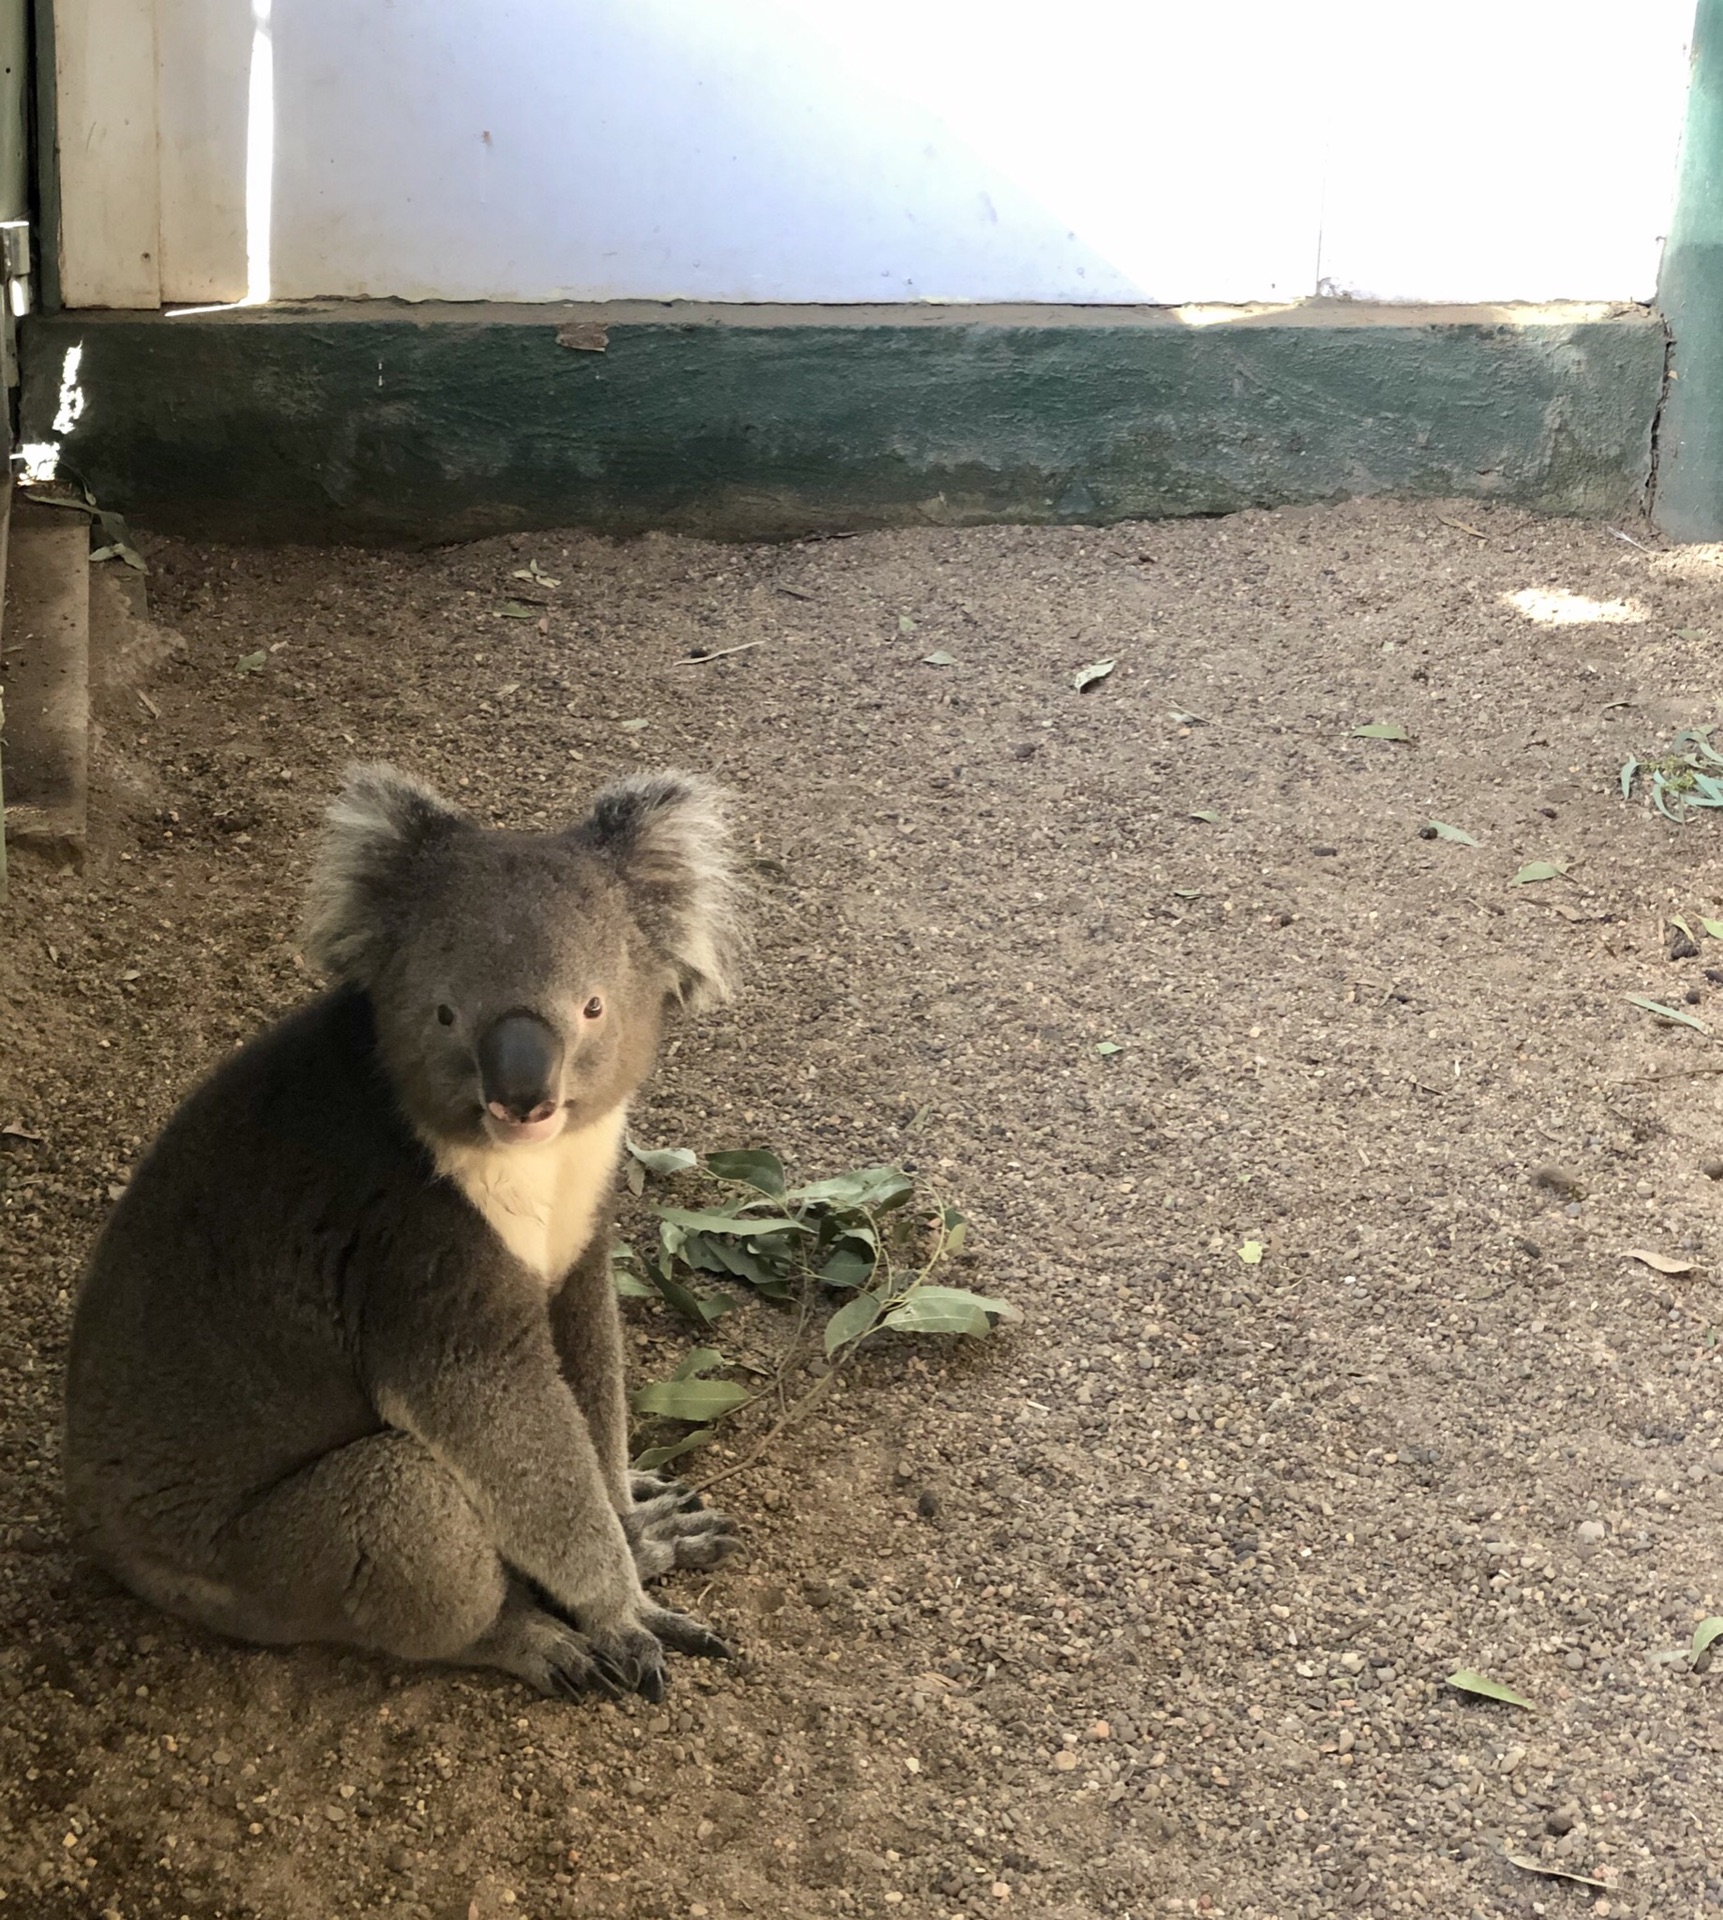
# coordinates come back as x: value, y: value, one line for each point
x: 1659, y: 1263
x: 1381, y: 730
x: 1672, y: 1014
x: 16, y: 1130
x: 517, y: 610
x: 1203, y: 813
x: 1469, y: 1680
x: 1527, y: 1864
x: 1186, y: 719
x: 939, y: 659
x: 251, y: 662
x: 1096, y: 670
x: 634, y: 726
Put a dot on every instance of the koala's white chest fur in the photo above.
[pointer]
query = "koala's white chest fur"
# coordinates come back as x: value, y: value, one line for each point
x: 542, y: 1202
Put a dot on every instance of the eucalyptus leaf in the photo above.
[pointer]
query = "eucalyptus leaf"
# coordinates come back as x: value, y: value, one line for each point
x: 948, y: 1310
x: 517, y: 610
x: 1707, y: 1630
x: 1458, y: 835
x: 849, y: 1266
x: 698, y: 1361
x: 853, y: 1319
x: 1659, y: 1011
x: 1107, y: 1048
x: 655, y: 1457
x: 629, y: 1286
x: 1096, y: 670
x: 875, y: 1188
x: 1713, y: 927
x: 251, y: 662
x: 663, y: 1160
x: 750, y: 1167
x: 1381, y: 730
x: 1204, y: 814
x: 1469, y: 1680
x: 696, y: 1400
x: 1628, y: 769
x: 939, y: 659
x: 1536, y: 870
x: 749, y: 1226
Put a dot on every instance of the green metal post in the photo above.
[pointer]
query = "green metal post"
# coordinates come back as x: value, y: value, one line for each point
x: 1688, y: 503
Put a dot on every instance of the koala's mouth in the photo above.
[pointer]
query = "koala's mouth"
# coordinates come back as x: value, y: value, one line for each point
x: 506, y: 1131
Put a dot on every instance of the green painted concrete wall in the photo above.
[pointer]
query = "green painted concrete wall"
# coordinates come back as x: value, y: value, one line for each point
x: 414, y: 424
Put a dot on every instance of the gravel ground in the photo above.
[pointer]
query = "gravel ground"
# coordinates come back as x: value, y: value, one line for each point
x: 1147, y: 1605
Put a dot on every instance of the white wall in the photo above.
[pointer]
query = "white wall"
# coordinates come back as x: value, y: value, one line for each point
x: 858, y: 150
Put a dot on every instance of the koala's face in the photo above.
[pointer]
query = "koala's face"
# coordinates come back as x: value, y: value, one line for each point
x: 520, y: 997
x: 519, y: 980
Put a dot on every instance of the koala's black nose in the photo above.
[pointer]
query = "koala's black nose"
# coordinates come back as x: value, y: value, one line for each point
x: 520, y: 1059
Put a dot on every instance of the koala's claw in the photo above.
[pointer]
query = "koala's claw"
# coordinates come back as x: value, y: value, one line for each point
x: 685, y: 1635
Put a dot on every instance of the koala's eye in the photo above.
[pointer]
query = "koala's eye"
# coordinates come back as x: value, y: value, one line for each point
x: 593, y: 1008
x: 446, y: 1015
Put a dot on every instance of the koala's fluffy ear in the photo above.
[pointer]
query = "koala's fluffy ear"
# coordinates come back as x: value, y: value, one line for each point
x: 667, y: 838
x: 375, y: 832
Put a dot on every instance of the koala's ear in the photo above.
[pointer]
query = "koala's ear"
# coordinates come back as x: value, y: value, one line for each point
x: 666, y: 836
x: 380, y: 825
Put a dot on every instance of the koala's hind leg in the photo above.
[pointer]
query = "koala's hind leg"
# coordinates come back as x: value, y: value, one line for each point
x: 377, y: 1546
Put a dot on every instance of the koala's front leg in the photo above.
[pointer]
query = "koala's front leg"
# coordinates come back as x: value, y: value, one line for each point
x: 667, y: 1526
x: 588, y: 1329
x: 466, y: 1364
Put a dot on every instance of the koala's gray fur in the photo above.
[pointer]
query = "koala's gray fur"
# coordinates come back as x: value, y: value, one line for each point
x: 346, y: 1363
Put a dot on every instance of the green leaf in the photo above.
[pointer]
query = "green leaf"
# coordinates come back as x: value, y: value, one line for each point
x: 1703, y: 1634
x: 948, y: 1310
x: 853, y: 1319
x: 696, y: 1400
x: 700, y: 1360
x: 1714, y: 928
x: 1381, y: 730
x: 1202, y: 813
x: 251, y: 662
x: 1536, y: 870
x: 747, y: 1225
x: 662, y: 1456
x: 956, y: 1230
x: 750, y: 1167
x: 683, y: 1299
x: 662, y: 1160
x: 1661, y: 1012
x: 1096, y: 670
x: 517, y: 610
x: 939, y: 659
x: 905, y: 624
x: 1675, y: 920
x: 851, y: 1265
x: 875, y: 1188
x: 634, y: 726
x: 1186, y: 719
x: 1251, y: 1253
x: 1469, y: 1680
x: 1107, y: 1048
x: 1628, y: 769
x: 1457, y: 834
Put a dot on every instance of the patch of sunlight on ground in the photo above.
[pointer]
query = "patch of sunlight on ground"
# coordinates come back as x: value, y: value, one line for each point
x: 1550, y: 607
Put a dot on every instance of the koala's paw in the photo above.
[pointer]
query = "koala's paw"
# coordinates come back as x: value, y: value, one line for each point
x: 669, y: 1527
x: 631, y: 1657
x: 550, y: 1655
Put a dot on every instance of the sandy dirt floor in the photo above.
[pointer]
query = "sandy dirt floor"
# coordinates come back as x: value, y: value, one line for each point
x: 1146, y: 1606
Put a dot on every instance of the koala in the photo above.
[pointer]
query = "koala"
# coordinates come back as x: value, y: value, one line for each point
x: 346, y: 1363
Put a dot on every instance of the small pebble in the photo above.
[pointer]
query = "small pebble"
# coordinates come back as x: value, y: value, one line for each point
x: 1591, y: 1531
x: 1557, y: 1180
x: 1065, y: 1761
x: 1712, y: 1169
